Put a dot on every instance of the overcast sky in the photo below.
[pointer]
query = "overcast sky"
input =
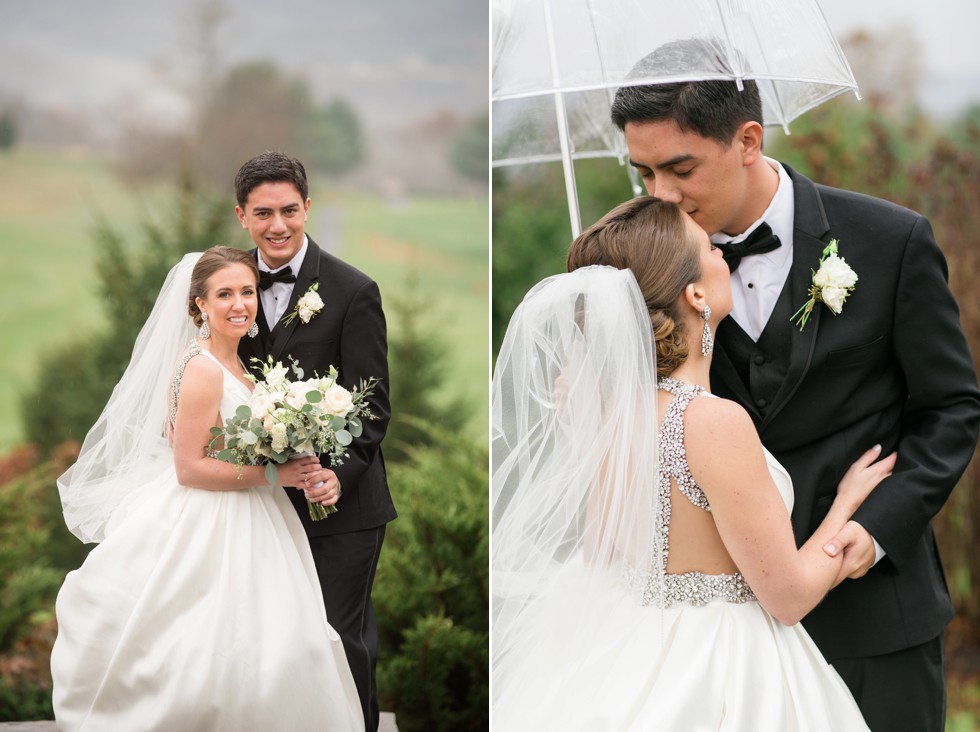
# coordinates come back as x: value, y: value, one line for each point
x: 947, y: 30
x: 395, y: 60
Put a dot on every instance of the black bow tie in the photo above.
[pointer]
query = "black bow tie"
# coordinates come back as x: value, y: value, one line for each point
x: 760, y: 241
x: 267, y: 279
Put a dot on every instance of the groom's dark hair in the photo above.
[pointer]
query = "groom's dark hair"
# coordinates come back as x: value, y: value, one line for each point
x: 270, y: 167
x: 713, y: 109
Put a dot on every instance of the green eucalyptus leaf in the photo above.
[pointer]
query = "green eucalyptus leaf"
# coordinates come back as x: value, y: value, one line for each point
x: 272, y: 474
x: 314, y: 396
x: 243, y: 412
x: 344, y: 437
x: 249, y: 438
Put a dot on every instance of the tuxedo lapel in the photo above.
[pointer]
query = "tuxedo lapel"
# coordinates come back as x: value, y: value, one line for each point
x: 809, y: 226
x: 309, y: 272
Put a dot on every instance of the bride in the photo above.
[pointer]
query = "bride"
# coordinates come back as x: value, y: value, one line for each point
x: 200, y: 607
x: 645, y: 575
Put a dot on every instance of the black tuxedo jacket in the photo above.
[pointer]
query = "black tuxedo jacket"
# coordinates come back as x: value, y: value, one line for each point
x: 892, y: 368
x: 349, y: 333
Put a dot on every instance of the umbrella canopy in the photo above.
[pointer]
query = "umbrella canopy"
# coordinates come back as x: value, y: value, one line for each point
x: 558, y: 63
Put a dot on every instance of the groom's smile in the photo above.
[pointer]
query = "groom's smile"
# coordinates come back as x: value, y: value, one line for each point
x: 275, y: 215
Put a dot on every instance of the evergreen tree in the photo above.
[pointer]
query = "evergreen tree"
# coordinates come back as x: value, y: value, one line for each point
x: 470, y: 153
x: 331, y: 135
x: 8, y: 130
x: 432, y: 589
x: 75, y: 379
x: 417, y: 366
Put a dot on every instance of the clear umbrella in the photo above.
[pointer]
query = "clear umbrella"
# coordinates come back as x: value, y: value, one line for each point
x: 558, y: 63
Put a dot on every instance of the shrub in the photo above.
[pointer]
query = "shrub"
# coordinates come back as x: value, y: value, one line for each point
x: 431, y: 594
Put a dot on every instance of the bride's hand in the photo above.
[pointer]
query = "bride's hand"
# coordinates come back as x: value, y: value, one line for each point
x: 861, y: 478
x: 293, y: 472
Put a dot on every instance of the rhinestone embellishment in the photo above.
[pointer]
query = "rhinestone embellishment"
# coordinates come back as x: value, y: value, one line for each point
x: 691, y: 588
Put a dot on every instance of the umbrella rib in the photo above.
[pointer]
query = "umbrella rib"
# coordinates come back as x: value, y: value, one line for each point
x: 670, y: 79
x: 561, y: 117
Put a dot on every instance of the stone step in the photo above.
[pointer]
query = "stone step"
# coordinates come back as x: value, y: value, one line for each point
x: 387, y: 724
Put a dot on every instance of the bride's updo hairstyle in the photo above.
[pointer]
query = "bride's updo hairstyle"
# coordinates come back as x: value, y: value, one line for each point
x: 649, y: 237
x: 214, y: 259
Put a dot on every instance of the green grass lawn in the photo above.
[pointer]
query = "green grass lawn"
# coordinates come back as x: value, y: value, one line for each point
x: 50, y: 201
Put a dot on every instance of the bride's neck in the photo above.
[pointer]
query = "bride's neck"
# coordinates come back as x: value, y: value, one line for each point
x: 223, y: 349
x: 695, y: 370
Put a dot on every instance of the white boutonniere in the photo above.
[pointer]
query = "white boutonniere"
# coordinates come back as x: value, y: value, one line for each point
x: 832, y: 282
x: 307, y: 306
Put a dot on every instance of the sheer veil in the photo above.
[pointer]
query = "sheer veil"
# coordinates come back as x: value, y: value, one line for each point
x: 574, y: 484
x: 128, y: 446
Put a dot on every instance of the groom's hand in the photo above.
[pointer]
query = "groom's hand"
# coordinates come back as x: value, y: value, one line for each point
x: 859, y: 550
x: 322, y: 487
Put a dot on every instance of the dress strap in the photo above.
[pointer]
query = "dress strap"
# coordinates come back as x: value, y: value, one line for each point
x: 194, y: 350
x: 673, y: 457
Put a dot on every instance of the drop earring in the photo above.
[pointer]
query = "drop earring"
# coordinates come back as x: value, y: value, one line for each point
x: 707, y: 341
x: 253, y: 329
x: 204, y: 332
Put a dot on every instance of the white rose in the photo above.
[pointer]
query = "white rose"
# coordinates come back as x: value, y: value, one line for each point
x: 311, y: 301
x: 833, y: 298
x: 296, y: 399
x: 279, y: 441
x: 262, y: 405
x: 305, y: 314
x: 277, y: 376
x: 835, y: 272
x: 337, y: 401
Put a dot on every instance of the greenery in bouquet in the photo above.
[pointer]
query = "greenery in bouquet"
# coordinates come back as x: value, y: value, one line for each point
x: 289, y: 417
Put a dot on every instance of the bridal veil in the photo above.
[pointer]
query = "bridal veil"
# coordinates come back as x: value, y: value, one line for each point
x: 574, y: 483
x: 128, y: 445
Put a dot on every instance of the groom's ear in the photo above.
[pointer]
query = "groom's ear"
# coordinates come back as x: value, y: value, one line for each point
x: 240, y: 213
x: 748, y: 137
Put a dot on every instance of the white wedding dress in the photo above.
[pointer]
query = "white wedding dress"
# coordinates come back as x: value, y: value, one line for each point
x: 200, y: 610
x: 709, y: 658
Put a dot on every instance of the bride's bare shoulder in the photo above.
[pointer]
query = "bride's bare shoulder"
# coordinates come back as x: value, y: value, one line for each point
x: 195, y: 371
x: 718, y: 430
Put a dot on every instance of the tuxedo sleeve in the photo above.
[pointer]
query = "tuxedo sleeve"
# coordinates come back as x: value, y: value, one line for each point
x: 364, y: 354
x: 941, y: 417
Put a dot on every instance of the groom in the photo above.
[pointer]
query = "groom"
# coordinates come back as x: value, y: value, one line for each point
x: 892, y: 368
x: 347, y: 332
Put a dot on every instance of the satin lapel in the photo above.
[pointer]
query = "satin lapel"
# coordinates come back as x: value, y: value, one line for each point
x: 256, y: 347
x: 723, y: 368
x: 309, y: 273
x: 809, y: 225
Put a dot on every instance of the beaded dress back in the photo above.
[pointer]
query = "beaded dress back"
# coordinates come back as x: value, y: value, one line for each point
x: 689, y: 588
x: 194, y: 350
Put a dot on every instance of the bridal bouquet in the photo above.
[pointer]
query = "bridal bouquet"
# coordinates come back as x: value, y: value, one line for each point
x: 287, y: 418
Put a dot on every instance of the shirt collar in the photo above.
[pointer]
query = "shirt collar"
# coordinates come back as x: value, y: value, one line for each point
x: 294, y: 263
x: 779, y: 215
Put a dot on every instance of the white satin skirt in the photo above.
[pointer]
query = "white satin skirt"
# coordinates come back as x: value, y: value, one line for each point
x: 617, y: 666
x: 200, y: 611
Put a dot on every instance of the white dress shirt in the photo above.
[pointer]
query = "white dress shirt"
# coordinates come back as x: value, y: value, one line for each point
x: 276, y: 298
x: 759, y: 279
